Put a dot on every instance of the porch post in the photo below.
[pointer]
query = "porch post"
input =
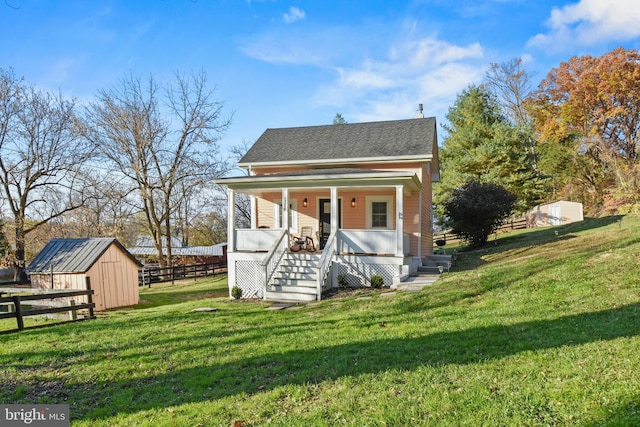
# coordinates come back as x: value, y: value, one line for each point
x: 285, y: 209
x: 399, y: 221
x: 334, y: 209
x: 231, y: 221
x: 254, y: 216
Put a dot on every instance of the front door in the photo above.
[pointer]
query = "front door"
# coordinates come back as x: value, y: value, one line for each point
x: 325, y: 219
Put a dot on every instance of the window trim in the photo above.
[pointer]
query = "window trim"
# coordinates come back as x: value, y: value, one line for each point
x: 370, y: 200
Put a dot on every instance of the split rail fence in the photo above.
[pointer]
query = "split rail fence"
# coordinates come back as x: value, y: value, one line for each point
x: 22, y: 302
x: 149, y: 275
x: 451, y: 238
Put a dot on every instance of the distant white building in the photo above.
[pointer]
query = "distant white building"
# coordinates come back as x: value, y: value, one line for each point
x: 554, y: 213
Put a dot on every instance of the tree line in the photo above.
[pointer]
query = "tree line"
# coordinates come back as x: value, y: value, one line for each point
x: 574, y: 137
x: 140, y: 157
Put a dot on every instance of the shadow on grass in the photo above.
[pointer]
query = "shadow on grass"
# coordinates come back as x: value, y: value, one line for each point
x: 308, y: 366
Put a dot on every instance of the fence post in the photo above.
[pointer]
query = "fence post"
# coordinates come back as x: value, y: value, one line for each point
x: 195, y: 272
x: 89, y: 296
x: 72, y: 313
x: 18, y: 307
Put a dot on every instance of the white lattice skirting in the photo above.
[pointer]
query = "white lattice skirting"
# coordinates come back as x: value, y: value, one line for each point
x: 250, y: 278
x: 359, y: 275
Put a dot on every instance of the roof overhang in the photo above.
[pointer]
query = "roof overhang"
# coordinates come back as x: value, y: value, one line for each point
x: 337, y: 162
x: 323, y: 179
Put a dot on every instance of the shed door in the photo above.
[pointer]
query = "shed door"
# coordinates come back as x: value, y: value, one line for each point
x: 555, y: 216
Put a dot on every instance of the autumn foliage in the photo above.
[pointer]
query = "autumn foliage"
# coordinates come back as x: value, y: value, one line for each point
x: 587, y: 113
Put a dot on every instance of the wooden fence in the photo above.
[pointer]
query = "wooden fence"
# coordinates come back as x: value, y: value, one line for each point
x: 453, y: 239
x: 150, y: 275
x: 25, y: 301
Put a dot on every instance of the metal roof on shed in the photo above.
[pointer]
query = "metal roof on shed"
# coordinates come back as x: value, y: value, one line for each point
x: 72, y: 255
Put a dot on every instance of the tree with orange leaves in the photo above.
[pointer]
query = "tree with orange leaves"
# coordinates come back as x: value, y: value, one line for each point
x: 587, y: 112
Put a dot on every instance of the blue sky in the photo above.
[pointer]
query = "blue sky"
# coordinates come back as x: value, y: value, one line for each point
x: 296, y: 63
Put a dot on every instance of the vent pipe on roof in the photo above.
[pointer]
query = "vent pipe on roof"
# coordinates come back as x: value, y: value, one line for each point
x: 420, y: 114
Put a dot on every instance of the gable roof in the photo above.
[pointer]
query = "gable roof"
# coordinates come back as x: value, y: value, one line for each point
x: 73, y: 255
x: 397, y: 139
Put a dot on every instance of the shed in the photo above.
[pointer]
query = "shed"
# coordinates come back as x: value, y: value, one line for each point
x: 66, y: 263
x: 554, y: 213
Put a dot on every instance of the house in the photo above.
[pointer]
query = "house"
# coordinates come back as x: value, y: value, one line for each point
x: 67, y: 263
x: 554, y: 213
x: 364, y: 192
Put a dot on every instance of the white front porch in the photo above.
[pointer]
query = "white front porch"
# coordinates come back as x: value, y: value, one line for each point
x: 263, y: 266
x: 359, y: 225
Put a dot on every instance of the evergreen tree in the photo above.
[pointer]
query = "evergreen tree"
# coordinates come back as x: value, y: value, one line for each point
x: 482, y: 145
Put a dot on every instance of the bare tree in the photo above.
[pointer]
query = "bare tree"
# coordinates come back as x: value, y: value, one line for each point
x: 510, y: 82
x: 41, y: 157
x: 107, y: 209
x: 243, y: 201
x: 160, y: 137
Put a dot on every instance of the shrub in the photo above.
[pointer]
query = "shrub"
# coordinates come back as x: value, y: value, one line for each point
x: 377, y: 281
x: 236, y: 292
x: 343, y: 282
x: 477, y: 209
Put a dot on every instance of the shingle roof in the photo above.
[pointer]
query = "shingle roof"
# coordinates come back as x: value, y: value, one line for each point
x: 398, y: 138
x: 72, y: 255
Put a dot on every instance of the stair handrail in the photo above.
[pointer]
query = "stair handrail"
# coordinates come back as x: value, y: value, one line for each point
x: 325, y: 261
x: 271, y: 262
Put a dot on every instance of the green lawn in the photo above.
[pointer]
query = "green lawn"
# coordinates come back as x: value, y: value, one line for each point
x: 537, y: 329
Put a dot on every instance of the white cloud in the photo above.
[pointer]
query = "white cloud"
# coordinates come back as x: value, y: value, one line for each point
x: 293, y: 15
x: 590, y: 21
x: 427, y: 70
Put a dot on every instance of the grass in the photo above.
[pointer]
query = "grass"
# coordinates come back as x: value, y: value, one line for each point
x: 536, y: 329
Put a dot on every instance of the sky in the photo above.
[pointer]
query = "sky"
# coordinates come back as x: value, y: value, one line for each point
x: 290, y: 63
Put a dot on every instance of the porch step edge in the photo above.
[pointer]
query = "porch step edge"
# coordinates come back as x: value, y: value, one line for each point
x: 297, y: 283
x: 287, y: 289
x: 290, y: 296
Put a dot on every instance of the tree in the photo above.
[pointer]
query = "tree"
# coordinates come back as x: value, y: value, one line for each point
x: 41, y: 159
x: 477, y: 210
x: 109, y: 205
x: 339, y: 120
x: 162, y: 138
x: 510, y: 83
x: 482, y: 145
x: 587, y: 111
x: 4, y: 244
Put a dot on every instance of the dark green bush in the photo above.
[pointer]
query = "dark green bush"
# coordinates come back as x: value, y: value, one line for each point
x: 236, y: 292
x: 377, y: 281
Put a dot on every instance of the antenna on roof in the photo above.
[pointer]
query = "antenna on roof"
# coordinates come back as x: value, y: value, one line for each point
x: 420, y: 114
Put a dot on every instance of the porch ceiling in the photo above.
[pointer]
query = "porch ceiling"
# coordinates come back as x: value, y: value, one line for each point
x: 323, y: 178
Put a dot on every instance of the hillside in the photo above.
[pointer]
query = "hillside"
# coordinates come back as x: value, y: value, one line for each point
x: 538, y: 328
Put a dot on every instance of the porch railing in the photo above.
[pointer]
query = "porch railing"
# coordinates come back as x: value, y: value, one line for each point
x: 325, y: 262
x: 273, y: 259
x: 255, y: 239
x: 381, y: 242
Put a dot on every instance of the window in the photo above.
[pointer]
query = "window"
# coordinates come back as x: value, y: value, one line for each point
x: 379, y: 211
x: 379, y: 214
x: 293, y: 214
